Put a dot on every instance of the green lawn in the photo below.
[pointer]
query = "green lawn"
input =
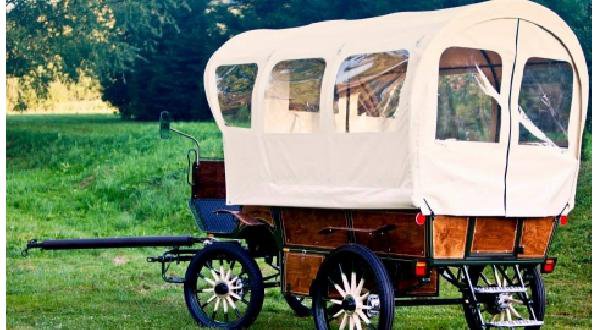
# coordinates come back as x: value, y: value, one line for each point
x: 97, y: 176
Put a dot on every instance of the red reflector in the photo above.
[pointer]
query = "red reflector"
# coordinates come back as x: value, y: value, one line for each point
x: 420, y: 219
x: 563, y: 220
x: 548, y: 266
x: 421, y: 269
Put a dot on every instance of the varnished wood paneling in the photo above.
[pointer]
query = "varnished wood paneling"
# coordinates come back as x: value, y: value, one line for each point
x: 302, y: 226
x: 410, y: 287
x: 209, y: 180
x: 407, y: 239
x: 494, y: 235
x: 449, y: 236
x: 536, y: 236
x: 300, y: 271
x: 262, y: 213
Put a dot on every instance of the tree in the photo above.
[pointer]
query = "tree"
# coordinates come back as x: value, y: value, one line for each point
x: 59, y: 39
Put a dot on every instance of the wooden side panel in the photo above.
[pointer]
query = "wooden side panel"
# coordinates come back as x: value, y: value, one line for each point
x: 300, y: 271
x: 449, y: 237
x: 302, y: 225
x: 536, y: 236
x: 407, y: 239
x: 494, y: 235
x: 259, y: 212
x: 209, y: 180
x: 407, y: 287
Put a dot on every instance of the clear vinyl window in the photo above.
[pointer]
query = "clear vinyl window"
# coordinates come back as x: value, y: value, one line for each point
x: 468, y: 95
x: 234, y: 84
x: 293, y: 95
x: 545, y: 102
x: 367, y: 91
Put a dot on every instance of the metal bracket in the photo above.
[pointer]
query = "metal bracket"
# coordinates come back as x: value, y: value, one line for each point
x: 175, y: 255
x: 371, y: 231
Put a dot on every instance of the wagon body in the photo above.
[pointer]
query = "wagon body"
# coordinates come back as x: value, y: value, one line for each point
x: 437, y: 141
x: 302, y: 237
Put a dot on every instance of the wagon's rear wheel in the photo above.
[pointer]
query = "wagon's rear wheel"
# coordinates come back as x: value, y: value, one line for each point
x: 353, y: 290
x: 223, y: 287
x: 507, y: 294
x: 300, y: 305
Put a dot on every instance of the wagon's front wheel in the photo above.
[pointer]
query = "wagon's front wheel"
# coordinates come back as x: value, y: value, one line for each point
x: 223, y: 287
x: 353, y: 290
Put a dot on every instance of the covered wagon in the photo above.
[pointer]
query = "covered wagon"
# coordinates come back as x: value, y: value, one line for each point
x: 365, y: 160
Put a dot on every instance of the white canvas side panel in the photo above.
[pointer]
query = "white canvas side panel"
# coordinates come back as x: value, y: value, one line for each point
x: 317, y: 170
x: 458, y: 177
x: 541, y: 175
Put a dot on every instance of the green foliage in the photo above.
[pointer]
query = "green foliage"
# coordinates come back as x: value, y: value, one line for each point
x: 60, y: 39
x: 81, y: 96
x: 586, y: 152
x: 97, y: 176
x: 150, y: 55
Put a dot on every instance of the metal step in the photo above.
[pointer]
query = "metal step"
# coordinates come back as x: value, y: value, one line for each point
x: 496, y: 289
x: 515, y: 323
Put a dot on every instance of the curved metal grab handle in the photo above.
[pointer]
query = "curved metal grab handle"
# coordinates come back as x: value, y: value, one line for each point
x: 190, y: 170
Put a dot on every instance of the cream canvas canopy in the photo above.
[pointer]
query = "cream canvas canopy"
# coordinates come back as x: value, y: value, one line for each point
x: 476, y: 110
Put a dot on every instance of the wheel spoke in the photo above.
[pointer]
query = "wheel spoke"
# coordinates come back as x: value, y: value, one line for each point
x: 356, y: 321
x: 217, y: 305
x: 346, y: 284
x: 343, y: 322
x: 338, y: 313
x: 514, y: 312
x: 363, y: 316
x: 515, y: 301
x: 339, y: 290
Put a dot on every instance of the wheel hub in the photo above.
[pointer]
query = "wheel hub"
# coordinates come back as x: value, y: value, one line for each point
x: 226, y: 290
x: 221, y: 289
x: 353, y: 310
x: 348, y: 304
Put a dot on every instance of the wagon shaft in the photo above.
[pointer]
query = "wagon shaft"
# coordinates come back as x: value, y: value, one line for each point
x: 113, y: 243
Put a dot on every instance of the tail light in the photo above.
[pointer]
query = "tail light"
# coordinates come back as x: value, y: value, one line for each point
x: 563, y: 220
x: 549, y: 265
x: 420, y: 219
x: 421, y: 269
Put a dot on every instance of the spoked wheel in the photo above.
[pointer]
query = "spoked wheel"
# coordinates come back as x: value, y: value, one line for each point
x: 353, y: 290
x: 223, y: 287
x: 508, y: 296
x: 300, y: 305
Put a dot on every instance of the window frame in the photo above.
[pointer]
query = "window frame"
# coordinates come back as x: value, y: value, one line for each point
x: 501, y: 121
x: 573, y: 96
x: 342, y: 59
x: 252, y: 100
x: 266, y: 85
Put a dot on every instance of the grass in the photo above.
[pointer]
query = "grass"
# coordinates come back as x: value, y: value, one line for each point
x: 97, y: 176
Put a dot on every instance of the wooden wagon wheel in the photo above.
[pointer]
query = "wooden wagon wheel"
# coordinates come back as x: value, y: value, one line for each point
x: 506, y: 295
x: 353, y: 290
x: 223, y: 287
